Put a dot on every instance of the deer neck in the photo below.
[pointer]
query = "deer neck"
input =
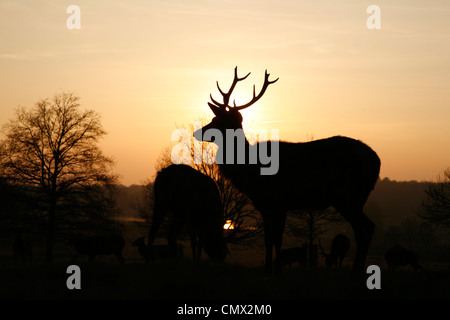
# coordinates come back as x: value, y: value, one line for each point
x: 234, y: 148
x: 235, y: 157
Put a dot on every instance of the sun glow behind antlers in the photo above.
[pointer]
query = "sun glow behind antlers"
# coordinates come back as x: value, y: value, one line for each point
x: 226, y: 96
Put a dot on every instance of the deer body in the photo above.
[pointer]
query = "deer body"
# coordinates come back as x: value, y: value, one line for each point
x: 100, y: 245
x: 193, y: 200
x: 155, y: 252
x: 292, y: 255
x: 337, y: 171
x: 312, y: 175
x: 399, y: 256
x: 339, y: 248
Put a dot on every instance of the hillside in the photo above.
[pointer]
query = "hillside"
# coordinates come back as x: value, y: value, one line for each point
x: 396, y: 200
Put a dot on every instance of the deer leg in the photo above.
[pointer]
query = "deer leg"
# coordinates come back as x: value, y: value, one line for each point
x: 194, y: 247
x: 363, y: 229
x: 199, y: 247
x: 120, y: 257
x: 273, y: 234
x: 268, y: 240
x: 278, y: 238
x: 195, y: 244
x: 174, y: 231
x: 268, y: 266
x: 158, y: 217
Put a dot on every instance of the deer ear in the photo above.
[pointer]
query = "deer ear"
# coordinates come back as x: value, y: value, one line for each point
x: 217, y: 111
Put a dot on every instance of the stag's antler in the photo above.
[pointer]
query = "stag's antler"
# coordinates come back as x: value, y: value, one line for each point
x: 256, y: 98
x: 226, y: 96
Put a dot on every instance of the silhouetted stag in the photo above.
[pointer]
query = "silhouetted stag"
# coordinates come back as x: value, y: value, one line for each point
x: 193, y: 199
x: 398, y: 256
x: 338, y: 171
x: 339, y: 248
x: 156, y: 252
x: 99, y: 245
x: 289, y: 256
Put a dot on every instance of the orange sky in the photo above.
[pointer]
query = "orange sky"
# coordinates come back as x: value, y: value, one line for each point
x: 147, y: 66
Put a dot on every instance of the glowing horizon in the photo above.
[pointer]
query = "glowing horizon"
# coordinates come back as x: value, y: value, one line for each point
x: 146, y: 67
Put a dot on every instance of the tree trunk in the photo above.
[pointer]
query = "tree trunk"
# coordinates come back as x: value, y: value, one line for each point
x: 51, y: 228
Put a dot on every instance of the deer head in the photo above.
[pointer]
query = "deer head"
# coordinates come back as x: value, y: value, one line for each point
x: 227, y: 116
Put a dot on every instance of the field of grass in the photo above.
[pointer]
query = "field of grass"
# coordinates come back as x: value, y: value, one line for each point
x: 239, y: 278
x: 184, y: 280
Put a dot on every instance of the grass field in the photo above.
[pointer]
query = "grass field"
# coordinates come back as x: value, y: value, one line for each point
x: 182, y: 279
x: 241, y: 277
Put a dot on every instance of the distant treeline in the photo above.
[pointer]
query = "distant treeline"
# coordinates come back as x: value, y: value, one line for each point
x: 396, y: 201
x: 392, y: 201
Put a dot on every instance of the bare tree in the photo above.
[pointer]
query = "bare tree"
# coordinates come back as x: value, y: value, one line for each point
x: 52, y: 149
x: 310, y: 224
x: 436, y: 207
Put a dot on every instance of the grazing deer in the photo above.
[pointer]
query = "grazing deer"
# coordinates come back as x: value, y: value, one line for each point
x: 399, y: 256
x: 292, y: 255
x: 156, y: 252
x: 338, y: 171
x: 99, y: 245
x: 193, y: 199
x: 339, y: 248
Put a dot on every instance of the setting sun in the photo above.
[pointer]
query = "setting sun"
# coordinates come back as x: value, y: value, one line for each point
x: 228, y: 225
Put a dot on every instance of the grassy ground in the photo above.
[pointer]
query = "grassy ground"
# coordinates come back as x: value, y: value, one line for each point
x: 240, y: 278
x: 182, y: 279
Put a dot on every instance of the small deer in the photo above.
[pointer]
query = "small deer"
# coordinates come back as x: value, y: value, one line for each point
x: 398, y: 256
x: 339, y: 248
x: 156, y: 252
x: 338, y: 171
x: 99, y: 245
x: 289, y: 256
x: 193, y: 199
